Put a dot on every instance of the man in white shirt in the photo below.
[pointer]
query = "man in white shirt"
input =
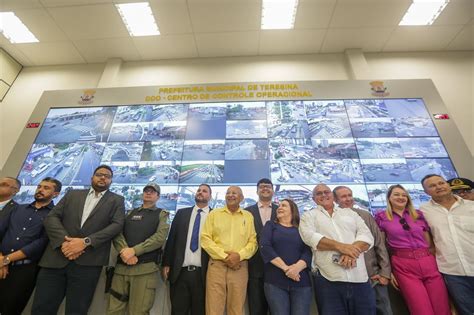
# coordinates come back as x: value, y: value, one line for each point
x: 451, y: 220
x: 338, y: 238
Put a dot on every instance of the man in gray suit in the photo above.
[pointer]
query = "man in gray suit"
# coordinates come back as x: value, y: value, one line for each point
x: 80, y: 230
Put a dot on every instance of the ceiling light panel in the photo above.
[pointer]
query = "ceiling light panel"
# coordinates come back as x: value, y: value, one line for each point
x: 423, y: 12
x: 14, y: 29
x: 138, y: 18
x: 278, y: 14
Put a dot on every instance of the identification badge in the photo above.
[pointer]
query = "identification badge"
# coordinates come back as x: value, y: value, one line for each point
x: 137, y: 218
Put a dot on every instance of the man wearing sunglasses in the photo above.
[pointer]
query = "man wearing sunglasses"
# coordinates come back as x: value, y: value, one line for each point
x: 462, y: 187
x: 80, y: 229
x: 451, y: 220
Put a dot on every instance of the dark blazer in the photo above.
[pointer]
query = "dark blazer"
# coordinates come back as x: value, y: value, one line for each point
x: 256, y: 262
x: 175, y: 247
x: 8, y: 208
x: 103, y: 224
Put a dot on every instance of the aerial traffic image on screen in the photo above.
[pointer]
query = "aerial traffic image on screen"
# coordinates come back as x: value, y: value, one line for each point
x: 366, y: 144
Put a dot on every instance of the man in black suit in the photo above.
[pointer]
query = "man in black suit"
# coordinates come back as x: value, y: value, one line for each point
x: 9, y: 186
x: 80, y: 229
x: 184, y: 262
x: 263, y: 211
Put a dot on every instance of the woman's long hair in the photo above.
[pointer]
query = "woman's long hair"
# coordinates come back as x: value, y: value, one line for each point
x: 295, y: 214
x: 409, y: 206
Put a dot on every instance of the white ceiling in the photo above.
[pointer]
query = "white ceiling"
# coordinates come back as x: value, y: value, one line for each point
x: 88, y: 31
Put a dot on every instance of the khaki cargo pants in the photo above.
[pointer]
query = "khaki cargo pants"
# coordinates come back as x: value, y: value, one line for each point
x: 140, y: 290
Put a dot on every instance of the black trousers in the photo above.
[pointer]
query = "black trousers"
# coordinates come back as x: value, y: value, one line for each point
x: 188, y: 294
x: 75, y: 282
x: 16, y: 289
x: 256, y: 297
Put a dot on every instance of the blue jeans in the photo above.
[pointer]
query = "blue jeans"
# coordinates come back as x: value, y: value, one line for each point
x: 461, y: 290
x: 288, y: 301
x: 336, y: 297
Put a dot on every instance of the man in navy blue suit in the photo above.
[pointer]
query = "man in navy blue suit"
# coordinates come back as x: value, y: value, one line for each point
x: 263, y: 211
x: 184, y: 262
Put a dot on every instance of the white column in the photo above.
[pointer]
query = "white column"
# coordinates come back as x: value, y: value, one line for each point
x: 111, y: 71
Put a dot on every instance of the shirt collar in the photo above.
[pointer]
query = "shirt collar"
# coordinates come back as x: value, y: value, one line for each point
x: 205, y: 209
x: 49, y: 206
x: 4, y: 203
x: 228, y: 211
x: 154, y: 208
x: 262, y: 204
x: 321, y: 208
x: 92, y: 192
x: 459, y: 201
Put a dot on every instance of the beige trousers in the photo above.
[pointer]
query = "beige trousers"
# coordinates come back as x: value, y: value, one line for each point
x: 226, y: 289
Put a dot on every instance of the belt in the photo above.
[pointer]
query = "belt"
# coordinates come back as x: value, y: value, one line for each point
x: 21, y: 262
x: 191, y: 268
x: 411, y: 253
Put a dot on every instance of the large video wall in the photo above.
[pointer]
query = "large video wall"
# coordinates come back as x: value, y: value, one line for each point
x: 367, y: 144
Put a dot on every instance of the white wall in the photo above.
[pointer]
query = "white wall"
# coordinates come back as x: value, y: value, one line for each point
x: 452, y: 73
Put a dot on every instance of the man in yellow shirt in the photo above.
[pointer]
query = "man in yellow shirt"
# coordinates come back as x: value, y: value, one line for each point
x: 229, y: 237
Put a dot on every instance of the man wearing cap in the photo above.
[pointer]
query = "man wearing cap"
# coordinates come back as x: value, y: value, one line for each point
x: 135, y: 277
x: 451, y: 220
x: 9, y: 186
x: 462, y: 187
x: 263, y: 211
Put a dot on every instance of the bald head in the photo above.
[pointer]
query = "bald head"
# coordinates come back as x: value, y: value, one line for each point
x: 9, y: 186
x: 233, y: 198
x: 323, y: 197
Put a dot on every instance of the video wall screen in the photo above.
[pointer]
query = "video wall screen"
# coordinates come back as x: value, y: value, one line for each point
x: 366, y: 144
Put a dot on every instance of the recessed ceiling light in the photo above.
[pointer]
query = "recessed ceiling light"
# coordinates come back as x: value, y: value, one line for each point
x: 278, y: 14
x: 14, y: 29
x: 423, y: 12
x: 138, y: 18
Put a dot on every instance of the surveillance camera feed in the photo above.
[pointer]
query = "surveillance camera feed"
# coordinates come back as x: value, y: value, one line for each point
x: 365, y: 144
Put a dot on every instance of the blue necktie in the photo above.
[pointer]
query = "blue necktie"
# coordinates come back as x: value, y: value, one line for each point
x: 195, y: 236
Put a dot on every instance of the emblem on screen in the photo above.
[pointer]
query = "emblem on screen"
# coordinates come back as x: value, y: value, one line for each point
x: 440, y: 116
x: 87, y: 97
x: 378, y: 89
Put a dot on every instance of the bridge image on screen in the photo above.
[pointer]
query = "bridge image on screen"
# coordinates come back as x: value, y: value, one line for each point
x: 367, y: 145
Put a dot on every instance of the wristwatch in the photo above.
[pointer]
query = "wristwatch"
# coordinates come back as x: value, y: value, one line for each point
x: 87, y: 241
x: 6, y: 260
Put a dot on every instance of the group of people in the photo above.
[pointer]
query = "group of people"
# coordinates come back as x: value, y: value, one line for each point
x: 216, y: 259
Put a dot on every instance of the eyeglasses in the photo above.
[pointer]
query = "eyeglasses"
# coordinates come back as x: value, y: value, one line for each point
x: 404, y: 224
x: 320, y: 193
x: 265, y: 186
x: 108, y: 176
x: 461, y: 191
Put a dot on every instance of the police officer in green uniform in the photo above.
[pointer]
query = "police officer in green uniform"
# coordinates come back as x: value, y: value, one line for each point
x: 136, y: 272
